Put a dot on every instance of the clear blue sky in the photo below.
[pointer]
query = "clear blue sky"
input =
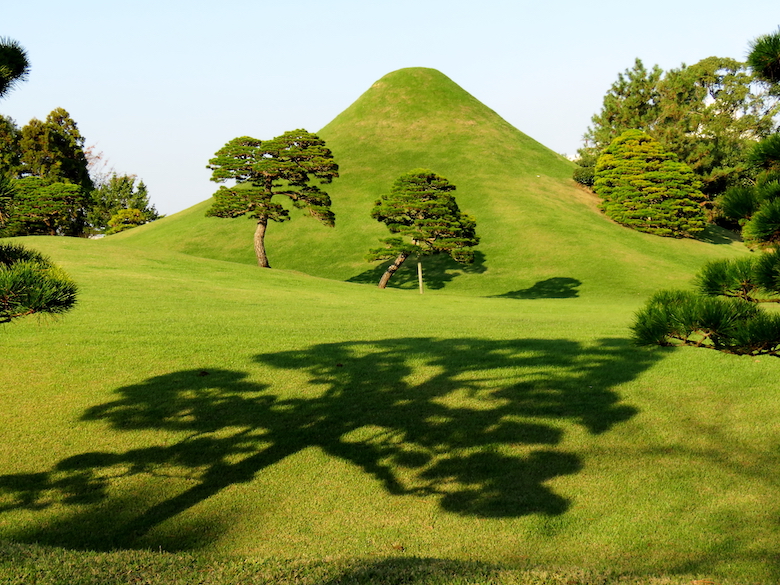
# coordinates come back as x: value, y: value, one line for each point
x: 158, y: 86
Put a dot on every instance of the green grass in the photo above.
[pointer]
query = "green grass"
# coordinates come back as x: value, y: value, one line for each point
x: 299, y: 425
x: 25, y: 564
x: 535, y: 223
x: 203, y: 406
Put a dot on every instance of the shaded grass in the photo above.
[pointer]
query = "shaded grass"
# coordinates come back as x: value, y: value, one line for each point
x: 203, y: 406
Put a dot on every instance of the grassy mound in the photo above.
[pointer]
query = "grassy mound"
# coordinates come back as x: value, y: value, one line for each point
x: 326, y: 431
x: 538, y: 228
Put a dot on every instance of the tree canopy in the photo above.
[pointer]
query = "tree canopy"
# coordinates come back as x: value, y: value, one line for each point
x: 644, y: 187
x: 54, y: 150
x: 14, y: 64
x: 284, y: 166
x: 709, y: 114
x: 755, y: 207
x: 121, y: 199
x: 421, y: 209
x: 764, y: 57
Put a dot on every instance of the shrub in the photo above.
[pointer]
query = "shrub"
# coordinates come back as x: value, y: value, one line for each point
x: 645, y: 188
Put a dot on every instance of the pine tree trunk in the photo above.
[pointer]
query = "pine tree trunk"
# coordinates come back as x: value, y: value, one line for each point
x: 392, y: 268
x: 262, y: 259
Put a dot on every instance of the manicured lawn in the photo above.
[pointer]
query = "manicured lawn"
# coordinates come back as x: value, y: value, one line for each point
x: 199, y: 405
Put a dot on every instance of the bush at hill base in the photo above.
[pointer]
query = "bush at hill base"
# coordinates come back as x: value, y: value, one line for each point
x: 645, y: 188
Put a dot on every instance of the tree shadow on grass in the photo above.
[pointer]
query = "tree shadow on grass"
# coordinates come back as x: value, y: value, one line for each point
x: 473, y: 423
x: 713, y: 234
x: 552, y: 288
x: 438, y: 270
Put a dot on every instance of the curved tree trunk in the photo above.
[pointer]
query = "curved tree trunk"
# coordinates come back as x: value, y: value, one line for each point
x: 262, y: 259
x: 392, y: 268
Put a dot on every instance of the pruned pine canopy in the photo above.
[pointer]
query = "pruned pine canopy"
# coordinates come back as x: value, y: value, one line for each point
x: 421, y: 207
x: 282, y: 166
x: 263, y: 169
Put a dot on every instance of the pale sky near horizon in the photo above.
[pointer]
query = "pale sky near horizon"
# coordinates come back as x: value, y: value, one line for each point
x: 158, y: 86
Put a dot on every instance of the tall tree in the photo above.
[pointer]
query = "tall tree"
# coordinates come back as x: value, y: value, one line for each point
x: 14, y: 64
x: 54, y: 150
x: 644, y: 187
x: 632, y: 102
x: 284, y: 166
x: 10, y: 154
x: 708, y: 114
x: 116, y: 194
x: 756, y: 207
x: 422, y: 210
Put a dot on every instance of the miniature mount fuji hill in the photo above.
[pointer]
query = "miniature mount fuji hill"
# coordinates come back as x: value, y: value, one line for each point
x: 541, y: 234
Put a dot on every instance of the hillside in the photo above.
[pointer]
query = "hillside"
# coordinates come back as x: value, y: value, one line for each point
x: 538, y: 229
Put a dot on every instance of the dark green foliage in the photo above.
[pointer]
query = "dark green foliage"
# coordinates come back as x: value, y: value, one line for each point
x: 764, y: 225
x: 729, y: 278
x: 422, y: 210
x: 764, y: 57
x: 584, y: 175
x: 766, y: 154
x: 10, y: 154
x: 738, y: 204
x: 766, y: 271
x: 707, y: 114
x: 117, y: 194
x: 40, y: 207
x: 283, y: 166
x: 726, y: 324
x: 586, y: 168
x: 754, y: 278
x: 14, y: 64
x: 7, y: 192
x: 54, y: 150
x: 30, y: 283
x: 645, y: 188
x: 420, y: 207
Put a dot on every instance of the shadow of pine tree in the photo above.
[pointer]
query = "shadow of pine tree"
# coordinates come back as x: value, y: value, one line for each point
x: 471, y: 422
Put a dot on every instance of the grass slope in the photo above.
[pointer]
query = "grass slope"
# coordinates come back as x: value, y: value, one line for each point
x: 198, y: 405
x: 540, y: 233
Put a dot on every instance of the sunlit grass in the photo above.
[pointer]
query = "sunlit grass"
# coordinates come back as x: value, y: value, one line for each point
x: 200, y: 405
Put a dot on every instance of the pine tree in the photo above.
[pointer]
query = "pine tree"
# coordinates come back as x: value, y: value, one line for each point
x: 647, y: 189
x: 14, y: 64
x: 422, y: 210
x: 30, y: 283
x: 262, y: 170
